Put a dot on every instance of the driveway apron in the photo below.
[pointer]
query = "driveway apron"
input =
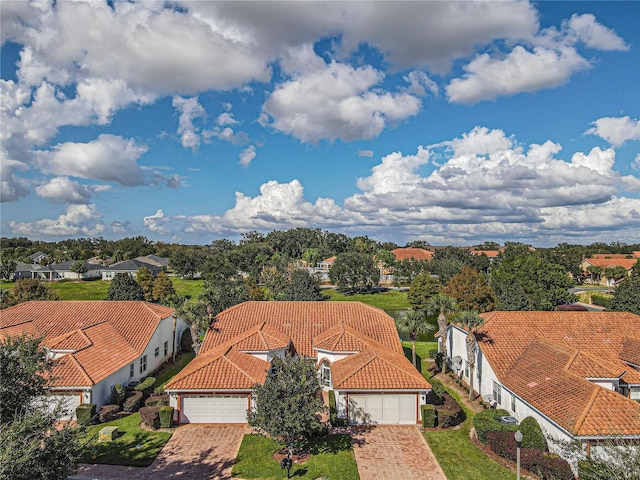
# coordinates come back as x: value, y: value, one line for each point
x: 192, y: 452
x: 386, y: 452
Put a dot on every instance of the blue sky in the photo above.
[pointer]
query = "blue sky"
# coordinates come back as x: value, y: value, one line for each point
x: 450, y: 122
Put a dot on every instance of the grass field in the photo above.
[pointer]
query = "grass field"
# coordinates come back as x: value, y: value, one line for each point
x: 391, y: 300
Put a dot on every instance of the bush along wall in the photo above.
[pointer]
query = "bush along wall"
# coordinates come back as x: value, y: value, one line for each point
x: 133, y: 402
x: 428, y: 416
x: 85, y: 413
x: 489, y: 421
x: 150, y: 416
x: 166, y: 416
x: 108, y: 413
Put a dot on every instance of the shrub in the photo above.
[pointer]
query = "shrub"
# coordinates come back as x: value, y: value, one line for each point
x: 432, y: 353
x: 489, y: 421
x: 157, y: 400
x: 150, y: 416
x: 601, y: 300
x: 108, y: 413
x: 532, y: 435
x: 118, y: 394
x: 159, y: 389
x: 146, y: 386
x: 85, y: 413
x: 133, y: 402
x: 166, y: 416
x: 450, y: 413
x: 428, y: 416
x: 186, y: 342
x: 333, y: 412
x: 434, y: 399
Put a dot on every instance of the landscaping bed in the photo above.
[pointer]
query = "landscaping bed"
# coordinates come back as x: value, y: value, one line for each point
x: 330, y: 457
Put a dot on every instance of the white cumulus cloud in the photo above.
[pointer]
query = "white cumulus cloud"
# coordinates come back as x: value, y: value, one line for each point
x: 77, y: 220
x: 65, y: 190
x: 247, y: 155
x: 616, y: 130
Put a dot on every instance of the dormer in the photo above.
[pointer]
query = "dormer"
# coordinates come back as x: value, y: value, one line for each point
x: 71, y: 342
x: 262, y: 341
x: 338, y: 342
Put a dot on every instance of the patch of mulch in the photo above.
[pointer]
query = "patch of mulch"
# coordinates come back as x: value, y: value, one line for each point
x: 299, y: 456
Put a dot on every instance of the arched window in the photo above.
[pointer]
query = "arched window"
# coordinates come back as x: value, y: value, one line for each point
x: 325, y: 374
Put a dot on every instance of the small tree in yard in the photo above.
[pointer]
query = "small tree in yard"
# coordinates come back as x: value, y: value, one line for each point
x: 162, y: 287
x: 79, y: 267
x: 144, y: 277
x: 471, y: 321
x: 124, y: 287
x: 289, y: 402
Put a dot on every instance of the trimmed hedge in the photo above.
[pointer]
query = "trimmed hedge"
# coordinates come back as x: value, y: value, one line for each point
x: 601, y: 300
x: 532, y: 435
x: 133, y: 402
x: 108, y: 413
x: 166, y: 416
x: 428, y: 416
x: 157, y: 400
x: 118, y: 394
x: 150, y: 416
x: 546, y: 466
x: 489, y: 421
x: 146, y: 386
x: 85, y: 413
x: 450, y: 413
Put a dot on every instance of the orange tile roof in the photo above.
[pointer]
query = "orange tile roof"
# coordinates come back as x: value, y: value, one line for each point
x: 545, y: 358
x: 488, y: 253
x: 221, y: 368
x: 627, y: 263
x: 335, y: 326
x: 631, y: 351
x: 260, y: 338
x: 103, y: 335
x: 302, y: 321
x: 412, y: 254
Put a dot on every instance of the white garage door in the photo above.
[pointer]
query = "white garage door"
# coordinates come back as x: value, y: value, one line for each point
x: 68, y: 402
x: 214, y: 409
x: 383, y: 408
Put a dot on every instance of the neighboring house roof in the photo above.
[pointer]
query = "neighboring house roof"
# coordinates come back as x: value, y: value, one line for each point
x: 132, y: 265
x: 329, y: 260
x: 154, y: 260
x: 38, y: 255
x: 616, y: 255
x: 379, y: 363
x: 546, y: 357
x: 488, y: 253
x: 302, y: 321
x: 412, y: 254
x: 627, y: 263
x: 101, y: 336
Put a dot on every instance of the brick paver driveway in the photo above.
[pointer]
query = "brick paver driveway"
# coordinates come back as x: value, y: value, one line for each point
x: 192, y: 452
x: 385, y: 452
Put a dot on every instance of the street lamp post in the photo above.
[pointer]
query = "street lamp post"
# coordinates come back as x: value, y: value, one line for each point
x: 518, y: 437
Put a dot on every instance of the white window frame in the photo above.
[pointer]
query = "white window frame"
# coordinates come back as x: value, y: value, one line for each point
x: 166, y: 348
x: 156, y: 352
x: 143, y: 364
x: 325, y: 374
x: 497, y: 392
x: 513, y: 403
x: 132, y: 370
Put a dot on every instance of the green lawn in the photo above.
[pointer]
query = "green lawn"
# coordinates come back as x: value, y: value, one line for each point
x: 133, y: 447
x: 98, y: 289
x: 332, y: 458
x: 391, y: 300
x: 459, y: 458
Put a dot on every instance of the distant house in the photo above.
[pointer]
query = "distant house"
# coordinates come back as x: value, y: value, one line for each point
x: 63, y: 270
x: 412, y: 254
x: 97, y: 344
x: 130, y: 267
x: 606, y: 262
x: 155, y: 260
x: 37, y: 257
x: 356, y: 347
x: 576, y: 373
x: 490, y: 254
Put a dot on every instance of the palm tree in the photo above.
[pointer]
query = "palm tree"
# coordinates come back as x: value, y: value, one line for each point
x: 413, y: 323
x: 443, y: 305
x: 471, y: 321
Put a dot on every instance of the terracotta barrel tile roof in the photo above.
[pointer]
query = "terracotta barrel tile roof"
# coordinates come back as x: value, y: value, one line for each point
x: 412, y: 254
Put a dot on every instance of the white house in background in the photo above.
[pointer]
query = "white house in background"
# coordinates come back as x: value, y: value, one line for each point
x: 97, y: 344
x: 576, y: 373
x: 356, y: 347
x: 130, y: 267
x: 63, y: 270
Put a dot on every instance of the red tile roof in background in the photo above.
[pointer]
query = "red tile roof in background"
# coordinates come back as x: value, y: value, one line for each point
x: 412, y: 254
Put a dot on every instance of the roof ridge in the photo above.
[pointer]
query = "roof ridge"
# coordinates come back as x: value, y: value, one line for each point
x: 148, y: 306
x: 372, y: 356
x: 211, y: 353
x: 587, y: 407
x: 234, y: 365
x: 82, y: 370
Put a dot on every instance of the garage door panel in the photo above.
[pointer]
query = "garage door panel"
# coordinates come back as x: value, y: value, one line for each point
x: 214, y: 409
x: 382, y: 408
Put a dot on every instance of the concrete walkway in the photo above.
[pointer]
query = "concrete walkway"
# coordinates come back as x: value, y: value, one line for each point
x: 388, y: 452
x: 192, y: 452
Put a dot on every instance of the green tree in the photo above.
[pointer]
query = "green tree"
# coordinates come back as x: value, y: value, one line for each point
x: 199, y: 318
x: 219, y: 294
x: 353, y: 270
x: 614, y: 273
x: 412, y: 324
x: 444, y: 306
x: 302, y: 286
x: 448, y: 261
x: 288, y: 404
x: 423, y: 288
x: 595, y: 271
x: 27, y: 289
x: 124, y: 287
x: 162, y: 287
x: 7, y: 268
x: 312, y: 256
x: 30, y: 447
x: 470, y: 321
x: 529, y: 282
x: 144, y: 277
x: 627, y: 295
x: 471, y: 291
x: 275, y: 280
x: 79, y: 267
x: 185, y: 262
